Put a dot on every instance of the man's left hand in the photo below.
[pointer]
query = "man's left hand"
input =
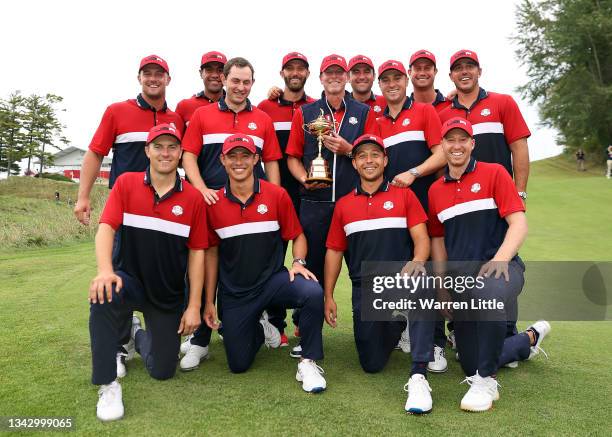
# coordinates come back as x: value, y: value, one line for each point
x: 336, y: 144
x: 497, y: 268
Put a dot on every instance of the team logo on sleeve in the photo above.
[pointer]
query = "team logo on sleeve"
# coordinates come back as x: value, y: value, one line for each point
x: 377, y: 108
x: 485, y: 112
x: 252, y: 126
x: 406, y: 122
x: 388, y: 205
x: 475, y: 188
x: 353, y: 120
x: 262, y: 208
x: 177, y: 210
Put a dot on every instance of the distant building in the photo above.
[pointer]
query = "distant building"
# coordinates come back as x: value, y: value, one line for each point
x: 68, y: 162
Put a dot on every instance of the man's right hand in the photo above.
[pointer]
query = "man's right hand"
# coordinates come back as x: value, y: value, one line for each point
x: 210, y: 195
x: 103, y: 283
x: 274, y: 93
x: 331, y: 311
x: 210, y: 316
x: 82, y: 211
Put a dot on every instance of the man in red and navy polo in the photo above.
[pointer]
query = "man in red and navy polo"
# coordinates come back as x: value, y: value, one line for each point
x: 124, y: 128
x: 476, y: 215
x: 378, y: 222
x: 361, y: 78
x: 500, y: 130
x: 411, y: 133
x: 211, y: 70
x: 294, y: 72
x: 211, y: 125
x: 163, y: 237
x: 247, y: 227
x: 422, y: 71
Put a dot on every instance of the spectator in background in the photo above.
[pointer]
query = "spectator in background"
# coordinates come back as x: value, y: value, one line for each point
x: 580, y: 160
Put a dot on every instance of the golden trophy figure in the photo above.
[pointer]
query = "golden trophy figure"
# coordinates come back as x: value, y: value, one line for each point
x: 319, y: 168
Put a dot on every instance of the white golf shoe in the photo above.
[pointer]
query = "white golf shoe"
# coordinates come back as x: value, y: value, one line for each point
x: 195, y: 354
x: 419, y: 395
x: 482, y: 393
x: 110, y: 402
x: 439, y: 363
x: 311, y: 376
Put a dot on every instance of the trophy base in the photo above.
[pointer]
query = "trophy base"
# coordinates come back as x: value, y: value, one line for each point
x: 319, y: 180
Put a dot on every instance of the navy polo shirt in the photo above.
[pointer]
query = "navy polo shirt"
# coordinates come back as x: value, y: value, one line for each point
x: 156, y: 234
x: 211, y: 125
x: 470, y: 212
x: 124, y: 129
x: 497, y: 122
x: 250, y: 236
x: 408, y: 139
x: 374, y: 226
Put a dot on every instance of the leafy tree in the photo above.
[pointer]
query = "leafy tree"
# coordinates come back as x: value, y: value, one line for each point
x: 11, y: 138
x: 42, y: 128
x: 566, y: 46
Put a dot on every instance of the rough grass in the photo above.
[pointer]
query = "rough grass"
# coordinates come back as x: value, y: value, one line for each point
x: 30, y: 216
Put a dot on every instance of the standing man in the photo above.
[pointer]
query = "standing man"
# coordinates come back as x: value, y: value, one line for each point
x: 211, y: 72
x: 294, y: 72
x: 475, y: 214
x: 411, y: 133
x: 163, y: 237
x: 253, y: 216
x: 351, y: 120
x: 609, y: 161
x: 500, y: 130
x: 361, y: 77
x: 380, y: 222
x: 124, y: 128
x: 422, y: 71
x: 209, y: 127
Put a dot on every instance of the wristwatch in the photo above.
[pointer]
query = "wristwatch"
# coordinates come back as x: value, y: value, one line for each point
x: 523, y: 195
x: 300, y: 261
x: 414, y: 172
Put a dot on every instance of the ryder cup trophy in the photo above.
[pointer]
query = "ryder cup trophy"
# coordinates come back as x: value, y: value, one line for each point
x: 319, y: 168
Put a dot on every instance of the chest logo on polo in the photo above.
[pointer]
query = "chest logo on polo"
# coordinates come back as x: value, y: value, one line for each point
x: 485, y: 112
x: 388, y: 205
x: 353, y: 120
x: 475, y: 188
x: 406, y: 122
x: 252, y: 126
x: 262, y: 208
x: 177, y: 210
x: 377, y: 108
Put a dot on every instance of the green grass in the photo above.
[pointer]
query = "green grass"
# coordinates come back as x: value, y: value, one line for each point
x: 45, y: 361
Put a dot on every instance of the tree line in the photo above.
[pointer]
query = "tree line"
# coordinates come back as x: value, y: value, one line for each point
x: 566, y: 46
x: 29, y: 128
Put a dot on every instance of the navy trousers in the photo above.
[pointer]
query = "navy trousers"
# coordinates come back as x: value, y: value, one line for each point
x: 243, y: 334
x: 376, y: 340
x: 483, y: 342
x: 158, y: 345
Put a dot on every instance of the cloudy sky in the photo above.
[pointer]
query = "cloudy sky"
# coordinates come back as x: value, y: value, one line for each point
x: 88, y: 52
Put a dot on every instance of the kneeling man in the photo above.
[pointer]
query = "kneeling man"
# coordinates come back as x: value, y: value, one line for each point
x: 380, y: 222
x: 247, y: 228
x: 163, y: 236
x: 476, y: 215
